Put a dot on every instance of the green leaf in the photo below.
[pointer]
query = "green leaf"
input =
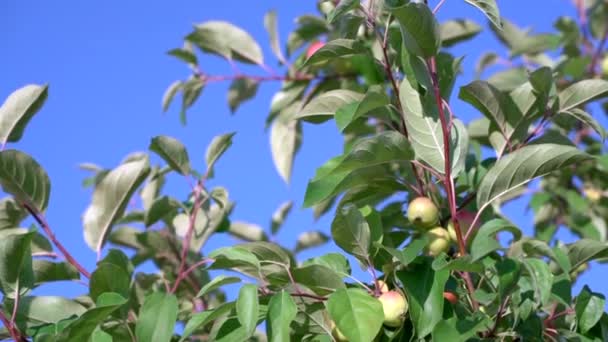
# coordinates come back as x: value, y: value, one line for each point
x: 585, y: 250
x: 270, y: 24
x: 248, y: 307
x: 235, y: 256
x: 241, y: 90
x: 508, y: 271
x: 170, y: 93
x: 581, y: 93
x: 285, y: 140
x: 173, y: 152
x: 357, y: 314
x: 324, y: 186
x: 41, y: 310
x: 424, y: 288
x: 485, y: 241
x: 457, y: 30
x: 157, y: 318
x: 309, y: 27
x: 490, y: 9
x: 11, y: 214
x: 247, y: 231
x: 46, y: 271
x: 18, y: 109
x: 350, y: 112
x: 409, y: 252
x: 589, y: 308
x: 216, y: 283
x: 203, y: 318
x: 109, y: 278
x: 342, y: 7
x: 338, y: 48
x: 318, y: 278
x: 218, y: 145
x: 22, y: 177
x: 183, y: 55
x: 520, y: 167
x: 110, y: 199
x: 310, y: 239
x: 420, y: 30
x: 334, y: 261
x: 588, y: 120
x: 82, y: 328
x: 351, y: 232
x: 508, y: 124
x: 161, y: 207
x: 227, y: 40
x: 16, y: 271
x: 426, y: 136
x: 322, y: 107
x: 542, y: 276
x: 282, y: 311
x: 279, y: 216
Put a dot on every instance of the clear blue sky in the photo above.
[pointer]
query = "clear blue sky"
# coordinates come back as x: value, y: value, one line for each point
x: 106, y: 65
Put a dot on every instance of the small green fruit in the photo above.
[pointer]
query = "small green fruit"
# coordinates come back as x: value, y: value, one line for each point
x: 465, y: 219
x: 439, y: 241
x: 395, y: 307
x: 422, y: 212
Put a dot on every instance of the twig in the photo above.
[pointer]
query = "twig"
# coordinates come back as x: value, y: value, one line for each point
x: 198, y: 189
x: 49, y: 232
x: 189, y: 270
x: 436, y: 9
x: 12, y: 329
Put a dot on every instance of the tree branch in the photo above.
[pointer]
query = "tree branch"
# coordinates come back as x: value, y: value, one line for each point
x: 49, y: 232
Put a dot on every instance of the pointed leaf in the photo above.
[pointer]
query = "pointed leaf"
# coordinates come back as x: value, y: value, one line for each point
x: 218, y: 145
x: 241, y: 90
x: 46, y: 271
x: 16, y: 263
x: 588, y: 120
x: 173, y: 152
x: 589, y: 308
x: 22, y: 177
x: 11, y: 214
x: 17, y: 110
x: 282, y: 311
x: 338, y: 48
x: 157, y: 318
x: 585, y: 250
x: 420, y: 30
x: 351, y: 232
x: 248, y: 307
x: 354, y: 110
x: 285, y: 140
x: 310, y: 239
x: 324, y: 106
x: 342, y: 7
x: 110, y: 199
x: 170, y: 93
x: 280, y: 215
x: 489, y: 8
x: 227, y: 40
x: 582, y: 92
x: 457, y: 30
x: 523, y: 165
x: 82, y: 328
x: 318, y: 278
x: 357, y: 314
x: 485, y: 241
x: 216, y: 283
x: 270, y: 24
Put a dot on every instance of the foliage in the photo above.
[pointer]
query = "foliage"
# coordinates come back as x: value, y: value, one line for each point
x: 383, y: 72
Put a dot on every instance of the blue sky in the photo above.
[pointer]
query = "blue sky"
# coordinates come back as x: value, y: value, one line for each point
x: 107, y: 68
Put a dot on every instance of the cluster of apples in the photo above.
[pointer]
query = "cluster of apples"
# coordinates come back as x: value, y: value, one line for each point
x: 424, y: 215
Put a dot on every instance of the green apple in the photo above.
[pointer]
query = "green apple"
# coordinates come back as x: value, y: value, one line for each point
x: 395, y: 307
x: 422, y: 212
x: 465, y: 219
x: 439, y: 241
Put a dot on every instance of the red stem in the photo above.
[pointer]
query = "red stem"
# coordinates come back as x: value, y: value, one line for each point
x: 49, y: 232
x: 12, y: 329
x: 181, y: 276
x: 188, y: 238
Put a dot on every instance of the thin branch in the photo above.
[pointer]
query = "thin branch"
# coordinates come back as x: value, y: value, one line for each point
x: 189, y: 270
x: 438, y: 6
x: 598, y: 52
x: 12, y: 329
x: 49, y: 232
x: 308, y: 296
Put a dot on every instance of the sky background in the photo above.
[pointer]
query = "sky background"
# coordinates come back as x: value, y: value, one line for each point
x: 107, y: 67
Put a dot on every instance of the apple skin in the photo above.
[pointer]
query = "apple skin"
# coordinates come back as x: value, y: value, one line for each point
x: 313, y: 48
x: 422, y: 212
x: 439, y: 241
x: 395, y: 307
x: 382, y: 286
x: 450, y: 297
x: 594, y: 195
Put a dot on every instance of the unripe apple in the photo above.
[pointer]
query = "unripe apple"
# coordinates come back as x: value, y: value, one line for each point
x: 422, y: 212
x: 313, y: 48
x: 382, y: 286
x: 450, y: 297
x: 605, y: 66
x: 395, y: 307
x: 576, y: 272
x: 439, y: 241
